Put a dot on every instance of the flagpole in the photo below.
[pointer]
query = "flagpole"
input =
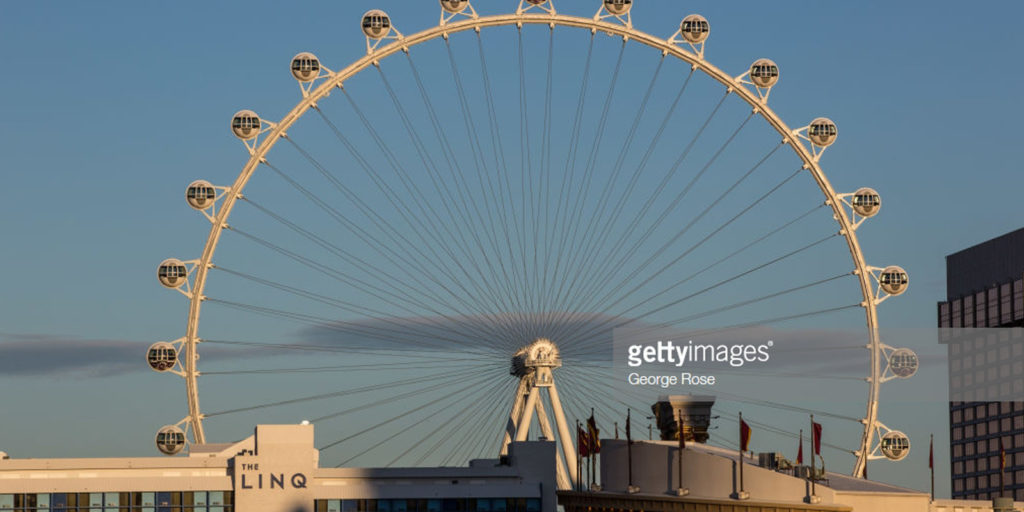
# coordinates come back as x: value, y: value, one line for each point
x: 741, y: 455
x: 813, y: 441
x: 629, y: 451
x: 579, y: 460
x: 931, y: 462
x: 593, y: 469
x: 682, y: 445
x: 679, y: 427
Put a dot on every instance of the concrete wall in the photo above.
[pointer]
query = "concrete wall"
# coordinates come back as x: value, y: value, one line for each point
x: 655, y: 471
x: 872, y: 502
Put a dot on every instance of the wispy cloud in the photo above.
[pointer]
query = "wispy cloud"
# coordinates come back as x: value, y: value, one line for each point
x: 44, y: 355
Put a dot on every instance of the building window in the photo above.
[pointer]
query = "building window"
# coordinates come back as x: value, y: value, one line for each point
x: 993, y: 307
x: 944, y: 314
x: 1018, y: 299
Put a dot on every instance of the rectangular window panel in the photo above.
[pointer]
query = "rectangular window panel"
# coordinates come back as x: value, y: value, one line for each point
x: 979, y: 309
x: 993, y: 307
x: 6, y: 501
x: 1005, y: 306
x: 1018, y: 299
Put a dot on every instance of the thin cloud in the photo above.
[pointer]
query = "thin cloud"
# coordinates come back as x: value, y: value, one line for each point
x: 43, y: 355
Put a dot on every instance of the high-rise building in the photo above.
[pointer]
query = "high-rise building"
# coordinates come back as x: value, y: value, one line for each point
x: 984, y: 290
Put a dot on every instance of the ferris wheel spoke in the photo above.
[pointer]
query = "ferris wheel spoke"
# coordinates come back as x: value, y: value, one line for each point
x: 344, y: 327
x: 501, y: 166
x: 391, y: 254
x: 490, y: 194
x: 478, y: 379
x: 634, y: 224
x: 606, y: 307
x: 597, y: 236
x: 526, y: 182
x: 343, y: 368
x: 398, y: 288
x: 467, y: 393
x: 601, y: 302
x: 468, y: 423
x: 505, y: 183
x: 477, y: 326
x: 672, y: 206
x: 433, y: 330
x: 559, y: 318
x: 543, y: 227
x: 384, y: 249
x: 565, y: 194
x: 424, y: 354
x: 460, y: 220
x: 497, y: 390
x: 345, y: 392
x: 693, y: 221
x: 734, y: 277
x: 440, y: 382
x: 466, y: 202
x: 577, y: 212
x: 762, y: 298
x: 563, y: 292
x: 427, y: 219
x: 584, y: 256
x: 608, y: 324
x: 487, y: 443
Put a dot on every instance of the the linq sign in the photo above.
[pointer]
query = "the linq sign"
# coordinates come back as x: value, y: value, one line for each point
x: 270, y: 480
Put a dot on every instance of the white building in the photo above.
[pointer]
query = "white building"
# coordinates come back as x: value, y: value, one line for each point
x: 277, y: 469
x: 710, y: 479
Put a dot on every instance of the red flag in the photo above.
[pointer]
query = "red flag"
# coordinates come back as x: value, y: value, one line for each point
x: 744, y: 436
x: 817, y: 438
x: 594, y: 435
x: 1002, y: 455
x: 931, y: 454
x: 583, y: 442
x: 800, y: 451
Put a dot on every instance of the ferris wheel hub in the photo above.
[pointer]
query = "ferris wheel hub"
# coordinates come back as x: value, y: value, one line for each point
x: 542, y: 353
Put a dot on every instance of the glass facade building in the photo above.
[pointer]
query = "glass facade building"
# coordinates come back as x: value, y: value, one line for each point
x: 985, y: 290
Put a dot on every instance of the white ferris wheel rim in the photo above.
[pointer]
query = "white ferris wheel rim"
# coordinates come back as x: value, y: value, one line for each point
x: 402, y: 43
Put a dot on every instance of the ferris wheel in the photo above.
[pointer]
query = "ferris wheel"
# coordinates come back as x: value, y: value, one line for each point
x: 512, y: 187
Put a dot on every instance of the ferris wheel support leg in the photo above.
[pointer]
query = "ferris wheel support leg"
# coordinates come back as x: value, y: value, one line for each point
x: 524, y: 423
x: 568, y: 447
x: 546, y: 430
x: 513, y: 416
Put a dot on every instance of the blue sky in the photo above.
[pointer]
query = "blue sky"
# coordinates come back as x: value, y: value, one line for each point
x: 126, y: 103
